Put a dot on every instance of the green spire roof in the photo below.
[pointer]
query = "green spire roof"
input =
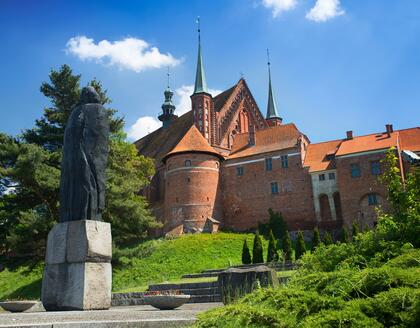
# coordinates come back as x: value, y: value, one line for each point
x: 200, y: 77
x: 271, y: 105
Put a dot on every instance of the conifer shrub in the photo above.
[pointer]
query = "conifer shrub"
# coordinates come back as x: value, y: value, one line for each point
x: 287, y: 246
x: 272, y: 254
x: 344, y: 235
x: 316, y: 239
x: 300, y: 246
x: 246, y: 256
x: 257, y: 250
x: 355, y: 230
x: 277, y: 224
x: 328, y: 239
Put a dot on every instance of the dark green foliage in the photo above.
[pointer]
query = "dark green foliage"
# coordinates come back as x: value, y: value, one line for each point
x: 328, y: 239
x: 300, y: 246
x: 344, y: 235
x: 246, y: 256
x: 276, y: 224
x: 316, y: 239
x: 287, y: 246
x: 272, y: 254
x: 257, y: 250
x: 354, y: 229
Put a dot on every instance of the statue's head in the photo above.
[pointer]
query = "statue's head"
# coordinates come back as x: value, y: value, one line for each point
x: 89, y: 96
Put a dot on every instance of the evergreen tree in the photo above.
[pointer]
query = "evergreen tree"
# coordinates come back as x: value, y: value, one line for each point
x: 272, y: 254
x: 30, y: 166
x: 287, y: 246
x: 300, y: 246
x: 328, y: 239
x: 257, y: 250
x: 344, y: 235
x: 316, y: 239
x: 354, y: 229
x: 276, y: 224
x: 246, y: 256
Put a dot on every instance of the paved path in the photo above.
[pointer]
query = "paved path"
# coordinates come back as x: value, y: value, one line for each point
x: 143, y: 316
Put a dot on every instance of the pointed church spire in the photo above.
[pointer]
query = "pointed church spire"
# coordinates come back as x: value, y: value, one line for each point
x: 200, y: 78
x: 271, y: 105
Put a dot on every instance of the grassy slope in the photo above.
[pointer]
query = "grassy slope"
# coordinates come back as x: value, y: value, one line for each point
x: 149, y: 262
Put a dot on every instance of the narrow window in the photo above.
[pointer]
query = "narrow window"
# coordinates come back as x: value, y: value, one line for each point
x: 321, y: 177
x: 355, y: 170
x: 187, y: 162
x: 239, y: 171
x: 284, y: 161
x: 331, y: 176
x: 268, y: 164
x: 274, y: 188
x: 375, y: 168
x: 372, y: 199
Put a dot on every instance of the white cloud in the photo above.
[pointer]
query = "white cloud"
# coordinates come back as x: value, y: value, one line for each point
x: 143, y: 126
x: 130, y: 53
x: 146, y: 124
x: 325, y: 10
x: 278, y: 6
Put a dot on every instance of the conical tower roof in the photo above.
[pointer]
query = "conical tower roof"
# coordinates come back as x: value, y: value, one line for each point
x: 193, y: 141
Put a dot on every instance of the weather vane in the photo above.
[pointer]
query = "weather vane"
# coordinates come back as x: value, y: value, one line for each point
x: 198, y: 27
x: 268, y: 57
x: 168, y: 74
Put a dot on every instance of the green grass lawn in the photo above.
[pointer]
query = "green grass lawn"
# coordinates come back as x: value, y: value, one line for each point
x: 154, y: 261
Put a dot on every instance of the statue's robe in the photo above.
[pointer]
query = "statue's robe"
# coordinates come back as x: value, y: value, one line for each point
x: 82, y: 191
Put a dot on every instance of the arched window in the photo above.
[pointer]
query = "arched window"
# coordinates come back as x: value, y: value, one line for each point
x: 187, y: 162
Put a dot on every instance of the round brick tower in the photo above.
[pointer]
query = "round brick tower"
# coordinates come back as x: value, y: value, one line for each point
x: 192, y: 200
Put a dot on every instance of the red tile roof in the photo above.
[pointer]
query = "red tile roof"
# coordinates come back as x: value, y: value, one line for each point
x: 410, y: 139
x: 368, y: 142
x: 266, y: 140
x: 193, y: 141
x: 316, y: 155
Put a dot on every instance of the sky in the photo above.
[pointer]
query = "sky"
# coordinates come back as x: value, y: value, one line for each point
x: 336, y: 65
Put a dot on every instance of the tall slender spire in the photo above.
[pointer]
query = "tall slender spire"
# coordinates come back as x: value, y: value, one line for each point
x: 271, y: 105
x: 200, y: 77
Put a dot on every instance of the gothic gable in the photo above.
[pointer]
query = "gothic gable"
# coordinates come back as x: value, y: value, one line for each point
x: 235, y: 111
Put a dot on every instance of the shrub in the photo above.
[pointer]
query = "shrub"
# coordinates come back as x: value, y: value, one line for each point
x: 287, y: 246
x: 354, y: 229
x: 300, y: 246
x: 344, y: 235
x: 328, y: 239
x: 257, y: 250
x: 316, y: 239
x: 272, y: 255
x: 246, y: 256
x: 277, y: 224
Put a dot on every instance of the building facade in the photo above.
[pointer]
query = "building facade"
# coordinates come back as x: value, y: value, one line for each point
x: 224, y: 164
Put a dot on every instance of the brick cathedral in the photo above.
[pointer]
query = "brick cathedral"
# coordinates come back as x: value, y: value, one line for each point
x: 223, y: 164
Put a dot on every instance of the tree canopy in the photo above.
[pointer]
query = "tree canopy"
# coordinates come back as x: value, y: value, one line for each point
x: 30, y: 173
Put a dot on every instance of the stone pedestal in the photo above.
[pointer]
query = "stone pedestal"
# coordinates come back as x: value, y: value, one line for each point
x: 78, y: 274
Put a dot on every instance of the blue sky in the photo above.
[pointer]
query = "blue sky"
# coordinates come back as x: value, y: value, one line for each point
x: 336, y: 65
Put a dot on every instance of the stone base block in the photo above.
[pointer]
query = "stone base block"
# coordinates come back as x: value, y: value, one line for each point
x: 77, y: 286
x: 78, y: 274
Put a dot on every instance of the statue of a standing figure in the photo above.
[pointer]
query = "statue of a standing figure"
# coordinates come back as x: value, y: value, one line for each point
x: 78, y: 271
x: 82, y: 191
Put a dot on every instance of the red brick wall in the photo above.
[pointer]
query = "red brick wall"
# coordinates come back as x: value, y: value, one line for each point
x: 247, y: 198
x: 353, y: 191
x: 192, y: 192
